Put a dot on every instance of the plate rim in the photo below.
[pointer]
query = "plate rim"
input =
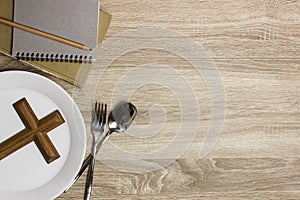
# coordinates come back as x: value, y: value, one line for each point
x: 75, y: 109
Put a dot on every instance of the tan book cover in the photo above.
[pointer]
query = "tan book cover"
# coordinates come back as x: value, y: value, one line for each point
x: 65, y: 70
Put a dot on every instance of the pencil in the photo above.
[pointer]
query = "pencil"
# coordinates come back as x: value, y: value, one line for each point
x: 44, y: 34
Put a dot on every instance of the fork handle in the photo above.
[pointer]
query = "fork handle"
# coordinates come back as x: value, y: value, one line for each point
x: 90, y: 175
x: 89, y: 179
x: 84, y: 165
x: 88, y: 160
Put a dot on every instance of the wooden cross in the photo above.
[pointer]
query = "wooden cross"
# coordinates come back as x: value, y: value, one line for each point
x: 35, y: 131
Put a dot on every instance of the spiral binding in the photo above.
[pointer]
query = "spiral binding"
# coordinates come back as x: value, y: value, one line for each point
x: 51, y: 57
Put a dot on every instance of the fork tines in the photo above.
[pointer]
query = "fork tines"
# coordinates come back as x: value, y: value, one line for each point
x: 101, y: 112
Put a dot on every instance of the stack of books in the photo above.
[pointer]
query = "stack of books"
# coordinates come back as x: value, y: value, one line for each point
x: 59, y: 37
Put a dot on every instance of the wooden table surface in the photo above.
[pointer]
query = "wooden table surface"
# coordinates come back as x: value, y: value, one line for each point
x: 255, y: 45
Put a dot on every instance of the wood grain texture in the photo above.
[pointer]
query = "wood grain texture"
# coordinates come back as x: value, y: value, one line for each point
x: 255, y: 45
x: 35, y: 131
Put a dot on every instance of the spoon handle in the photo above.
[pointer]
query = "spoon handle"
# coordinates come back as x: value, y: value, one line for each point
x: 104, y: 139
x: 84, y: 165
x: 88, y: 160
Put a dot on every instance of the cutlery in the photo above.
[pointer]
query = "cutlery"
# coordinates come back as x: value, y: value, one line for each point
x: 119, y: 120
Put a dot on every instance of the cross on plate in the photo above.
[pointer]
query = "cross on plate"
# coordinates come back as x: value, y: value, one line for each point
x: 35, y: 131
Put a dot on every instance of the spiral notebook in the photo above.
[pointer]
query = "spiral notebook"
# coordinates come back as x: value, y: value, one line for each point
x: 75, y: 20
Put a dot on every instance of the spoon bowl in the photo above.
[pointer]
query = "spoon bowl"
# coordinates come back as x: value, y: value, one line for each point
x: 121, y: 117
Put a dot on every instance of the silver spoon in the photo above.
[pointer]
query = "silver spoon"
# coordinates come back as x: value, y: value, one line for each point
x: 119, y: 120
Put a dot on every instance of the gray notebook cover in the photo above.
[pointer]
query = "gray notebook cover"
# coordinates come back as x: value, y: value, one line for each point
x: 75, y: 20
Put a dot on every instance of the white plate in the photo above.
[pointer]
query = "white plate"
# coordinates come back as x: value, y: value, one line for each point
x: 25, y: 174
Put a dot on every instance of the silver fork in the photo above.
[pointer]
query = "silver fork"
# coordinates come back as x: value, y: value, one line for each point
x: 98, y: 125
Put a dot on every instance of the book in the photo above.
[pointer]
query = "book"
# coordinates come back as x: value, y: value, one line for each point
x: 65, y: 70
x: 75, y: 20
